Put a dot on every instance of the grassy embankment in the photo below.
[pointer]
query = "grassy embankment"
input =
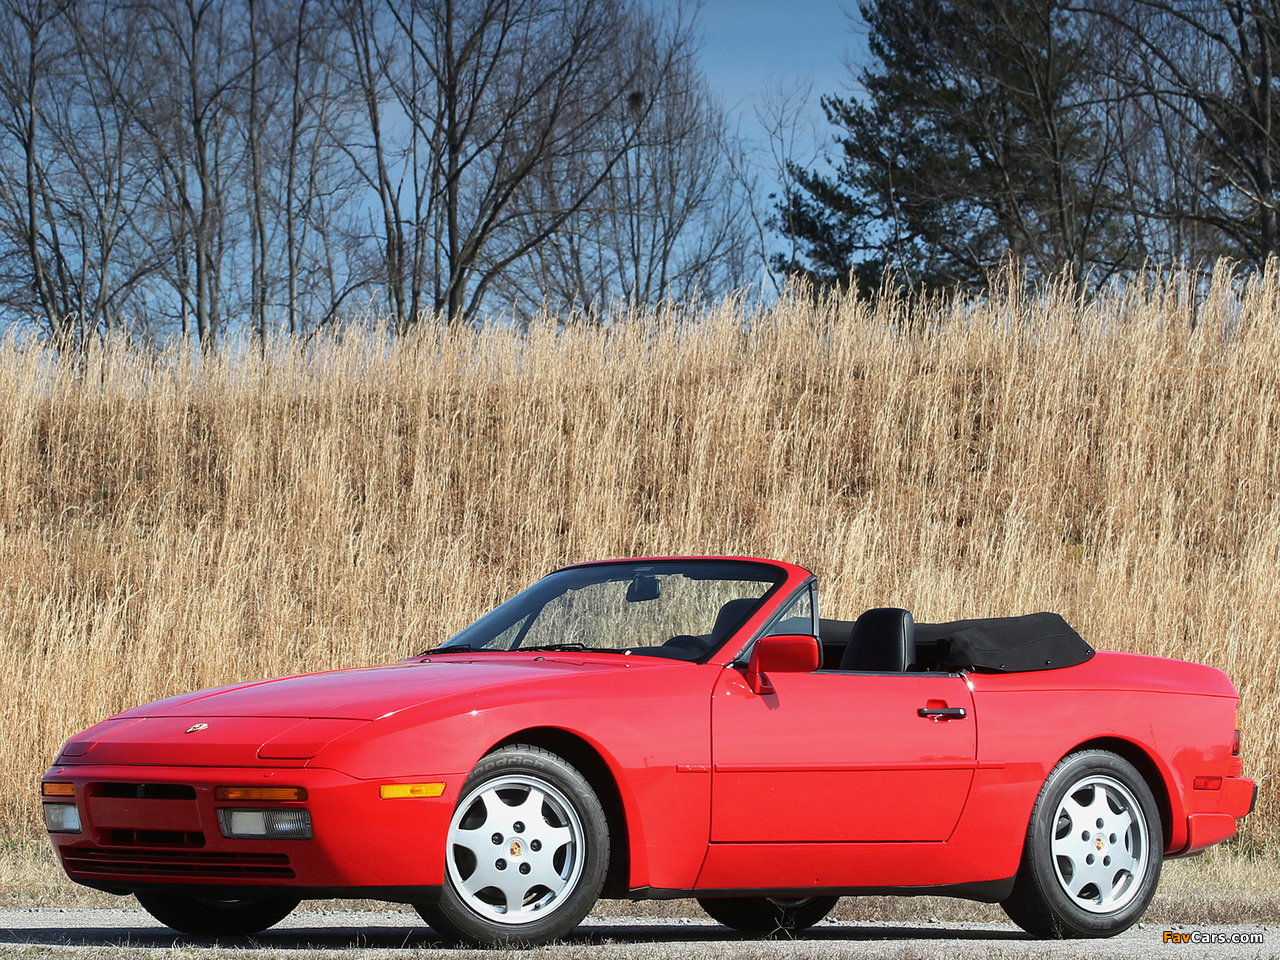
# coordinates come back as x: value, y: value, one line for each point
x: 166, y: 526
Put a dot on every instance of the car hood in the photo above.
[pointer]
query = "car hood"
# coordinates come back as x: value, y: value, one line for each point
x: 293, y: 718
x: 367, y: 693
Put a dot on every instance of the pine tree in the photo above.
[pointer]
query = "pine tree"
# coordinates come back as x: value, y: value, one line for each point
x: 985, y: 132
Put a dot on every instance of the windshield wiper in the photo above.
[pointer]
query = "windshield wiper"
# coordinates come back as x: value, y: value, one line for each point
x: 468, y: 648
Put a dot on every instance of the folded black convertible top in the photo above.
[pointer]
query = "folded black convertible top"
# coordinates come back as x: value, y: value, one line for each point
x: 1038, y: 641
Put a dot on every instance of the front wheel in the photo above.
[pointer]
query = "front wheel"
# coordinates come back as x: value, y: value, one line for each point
x: 215, y: 918
x: 526, y: 852
x: 1093, y: 850
x: 768, y: 914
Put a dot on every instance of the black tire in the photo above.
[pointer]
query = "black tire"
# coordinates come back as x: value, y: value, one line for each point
x: 550, y: 829
x: 1093, y: 851
x: 768, y: 914
x: 216, y: 918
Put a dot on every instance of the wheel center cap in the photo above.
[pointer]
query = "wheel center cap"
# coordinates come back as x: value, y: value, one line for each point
x: 517, y: 848
x: 1099, y: 843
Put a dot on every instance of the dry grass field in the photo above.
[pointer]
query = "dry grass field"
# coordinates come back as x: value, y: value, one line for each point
x: 167, y: 525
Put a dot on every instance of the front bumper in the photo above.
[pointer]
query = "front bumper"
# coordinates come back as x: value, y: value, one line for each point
x: 144, y: 826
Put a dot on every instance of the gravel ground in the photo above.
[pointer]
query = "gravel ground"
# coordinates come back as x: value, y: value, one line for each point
x: 37, y: 932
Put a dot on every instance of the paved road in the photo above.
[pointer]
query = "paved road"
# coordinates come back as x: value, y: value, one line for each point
x: 100, y: 934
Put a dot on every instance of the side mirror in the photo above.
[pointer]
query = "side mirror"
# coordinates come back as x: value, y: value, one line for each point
x: 785, y: 653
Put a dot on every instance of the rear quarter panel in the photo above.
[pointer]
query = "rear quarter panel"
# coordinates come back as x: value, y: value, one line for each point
x: 1173, y: 720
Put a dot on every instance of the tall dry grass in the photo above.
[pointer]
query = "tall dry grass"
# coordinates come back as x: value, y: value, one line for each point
x: 167, y: 525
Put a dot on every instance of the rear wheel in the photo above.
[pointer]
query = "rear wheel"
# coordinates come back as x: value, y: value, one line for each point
x: 1093, y: 851
x: 526, y: 852
x: 768, y: 914
x: 215, y: 918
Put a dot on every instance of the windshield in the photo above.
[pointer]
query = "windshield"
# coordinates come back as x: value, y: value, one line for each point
x: 682, y: 609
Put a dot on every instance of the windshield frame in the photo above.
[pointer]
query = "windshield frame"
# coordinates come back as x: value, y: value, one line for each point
x: 528, y: 604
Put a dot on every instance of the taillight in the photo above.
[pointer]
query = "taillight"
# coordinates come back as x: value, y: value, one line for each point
x: 1235, y: 741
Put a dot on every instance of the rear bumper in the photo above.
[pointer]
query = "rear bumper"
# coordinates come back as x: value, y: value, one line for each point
x: 1220, y: 810
x: 360, y: 843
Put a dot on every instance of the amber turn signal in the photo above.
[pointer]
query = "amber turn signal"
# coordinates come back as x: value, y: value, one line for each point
x: 58, y: 789
x: 260, y: 793
x: 405, y: 791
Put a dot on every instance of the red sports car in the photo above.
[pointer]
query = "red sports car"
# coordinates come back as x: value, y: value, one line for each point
x: 656, y: 728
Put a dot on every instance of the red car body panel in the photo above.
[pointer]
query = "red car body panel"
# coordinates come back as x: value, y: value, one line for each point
x: 834, y: 781
x: 782, y: 775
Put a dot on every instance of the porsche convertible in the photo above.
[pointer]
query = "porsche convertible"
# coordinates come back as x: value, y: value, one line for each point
x: 662, y: 728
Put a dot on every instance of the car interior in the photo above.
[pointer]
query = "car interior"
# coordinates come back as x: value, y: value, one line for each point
x: 881, y: 640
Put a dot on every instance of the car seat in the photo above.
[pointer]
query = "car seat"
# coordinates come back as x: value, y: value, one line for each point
x: 883, y: 640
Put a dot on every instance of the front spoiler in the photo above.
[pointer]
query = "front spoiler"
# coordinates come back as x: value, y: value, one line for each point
x: 406, y: 894
x: 360, y: 841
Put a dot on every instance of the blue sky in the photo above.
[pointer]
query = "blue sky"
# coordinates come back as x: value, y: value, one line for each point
x: 748, y: 44
x: 750, y: 47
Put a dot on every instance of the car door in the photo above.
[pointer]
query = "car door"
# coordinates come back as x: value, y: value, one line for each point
x: 835, y: 756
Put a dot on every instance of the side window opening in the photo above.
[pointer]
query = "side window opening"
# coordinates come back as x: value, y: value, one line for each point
x: 799, y: 616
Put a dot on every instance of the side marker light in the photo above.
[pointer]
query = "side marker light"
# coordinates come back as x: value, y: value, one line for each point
x: 408, y: 791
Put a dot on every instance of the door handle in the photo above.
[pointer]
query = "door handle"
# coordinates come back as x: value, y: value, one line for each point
x: 942, y: 713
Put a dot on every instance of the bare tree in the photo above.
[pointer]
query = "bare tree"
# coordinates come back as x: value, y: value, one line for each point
x: 1203, y: 74
x: 71, y: 176
x: 197, y: 164
x: 319, y: 189
x: 300, y: 190
x: 184, y: 97
x: 791, y: 143
x: 106, y: 175
x: 496, y: 96
x: 261, y: 104
x: 31, y: 49
x: 668, y: 221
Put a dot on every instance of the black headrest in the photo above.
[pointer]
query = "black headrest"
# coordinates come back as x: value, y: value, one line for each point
x: 836, y: 632
x: 730, y: 618
x: 884, y: 639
